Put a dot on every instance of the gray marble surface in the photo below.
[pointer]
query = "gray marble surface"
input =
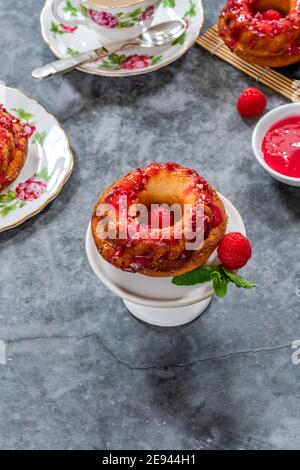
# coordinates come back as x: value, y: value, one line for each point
x: 82, y: 373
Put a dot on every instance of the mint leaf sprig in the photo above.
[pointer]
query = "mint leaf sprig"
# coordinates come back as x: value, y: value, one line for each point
x: 219, y: 275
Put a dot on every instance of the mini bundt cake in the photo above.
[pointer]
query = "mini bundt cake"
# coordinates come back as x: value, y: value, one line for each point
x: 13, y: 148
x: 264, y: 32
x: 155, y: 248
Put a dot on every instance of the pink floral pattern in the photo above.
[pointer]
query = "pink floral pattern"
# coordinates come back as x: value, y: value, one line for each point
x: 136, y: 61
x: 147, y: 14
x: 35, y: 186
x: 103, y: 18
x: 126, y: 19
x: 62, y: 28
x: 131, y: 62
x: 122, y: 19
x: 68, y: 29
x: 32, y: 189
x: 29, y: 129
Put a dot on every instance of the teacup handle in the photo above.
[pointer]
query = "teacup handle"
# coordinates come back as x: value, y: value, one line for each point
x: 71, y: 22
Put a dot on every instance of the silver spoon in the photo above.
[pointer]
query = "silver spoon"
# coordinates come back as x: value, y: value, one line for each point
x: 158, y: 35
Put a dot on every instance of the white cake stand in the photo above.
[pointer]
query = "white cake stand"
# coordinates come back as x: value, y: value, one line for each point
x: 156, y: 300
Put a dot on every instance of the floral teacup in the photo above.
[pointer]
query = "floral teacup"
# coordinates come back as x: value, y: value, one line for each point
x: 112, y: 20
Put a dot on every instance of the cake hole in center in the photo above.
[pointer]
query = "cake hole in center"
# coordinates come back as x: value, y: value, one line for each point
x: 282, y: 6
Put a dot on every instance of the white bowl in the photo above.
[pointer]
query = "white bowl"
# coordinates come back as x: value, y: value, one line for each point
x: 262, y: 127
x: 157, y: 300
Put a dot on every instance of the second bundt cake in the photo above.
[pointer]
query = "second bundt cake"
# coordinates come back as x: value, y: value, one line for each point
x: 264, y: 32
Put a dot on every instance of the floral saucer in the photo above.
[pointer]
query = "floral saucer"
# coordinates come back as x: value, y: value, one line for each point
x: 66, y: 41
x: 48, y: 165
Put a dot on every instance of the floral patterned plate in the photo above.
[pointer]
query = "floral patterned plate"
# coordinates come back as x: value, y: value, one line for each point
x: 66, y: 41
x: 48, y: 165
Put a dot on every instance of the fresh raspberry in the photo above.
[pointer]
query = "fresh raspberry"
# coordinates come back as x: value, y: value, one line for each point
x: 234, y: 251
x: 251, y: 103
x: 272, y: 15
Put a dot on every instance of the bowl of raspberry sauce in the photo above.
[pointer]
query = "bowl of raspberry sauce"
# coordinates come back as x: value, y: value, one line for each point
x: 276, y: 143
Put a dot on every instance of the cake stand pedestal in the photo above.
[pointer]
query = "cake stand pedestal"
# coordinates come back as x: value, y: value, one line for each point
x: 167, y: 316
x: 156, y: 300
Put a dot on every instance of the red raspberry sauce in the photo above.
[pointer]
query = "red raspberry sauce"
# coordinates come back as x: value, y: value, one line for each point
x: 281, y: 147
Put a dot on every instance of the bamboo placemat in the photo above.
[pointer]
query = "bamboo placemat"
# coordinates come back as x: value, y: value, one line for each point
x: 287, y: 87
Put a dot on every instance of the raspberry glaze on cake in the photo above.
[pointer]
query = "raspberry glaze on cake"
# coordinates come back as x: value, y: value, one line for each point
x: 13, y: 148
x: 154, y: 254
x: 264, y: 32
